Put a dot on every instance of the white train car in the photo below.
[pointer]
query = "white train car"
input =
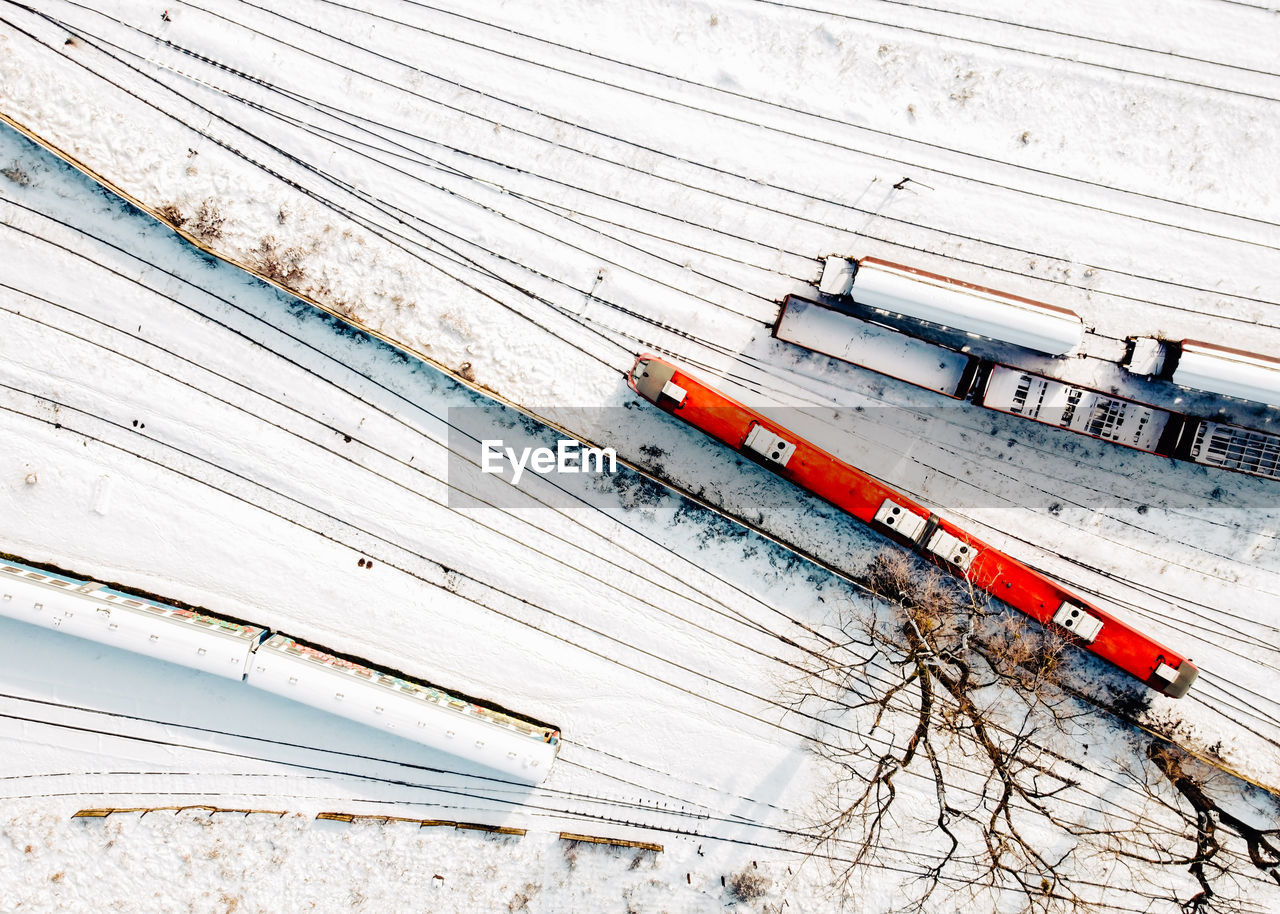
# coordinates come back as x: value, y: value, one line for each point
x: 513, y: 747
x: 881, y: 349
x: 519, y: 749
x: 1079, y: 409
x: 94, y: 611
x: 1231, y: 447
x: 952, y: 303
x: 1230, y: 372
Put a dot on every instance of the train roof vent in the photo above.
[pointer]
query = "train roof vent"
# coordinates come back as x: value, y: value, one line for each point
x: 955, y: 551
x: 769, y: 446
x: 1079, y: 622
x: 674, y: 391
x: 896, y: 517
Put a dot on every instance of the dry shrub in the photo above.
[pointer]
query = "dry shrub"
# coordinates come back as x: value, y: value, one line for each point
x: 934, y: 605
x: 1026, y: 652
x: 748, y: 885
x: 283, y: 266
x: 520, y: 900
x: 208, y: 222
x: 16, y: 173
x: 896, y: 575
x: 891, y: 574
x: 172, y: 215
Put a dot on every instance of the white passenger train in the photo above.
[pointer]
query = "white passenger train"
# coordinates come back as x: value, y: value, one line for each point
x: 519, y: 749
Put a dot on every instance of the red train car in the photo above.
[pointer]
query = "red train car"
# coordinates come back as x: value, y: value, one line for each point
x: 906, y: 522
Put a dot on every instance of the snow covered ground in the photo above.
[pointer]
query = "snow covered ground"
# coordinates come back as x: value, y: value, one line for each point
x: 528, y: 197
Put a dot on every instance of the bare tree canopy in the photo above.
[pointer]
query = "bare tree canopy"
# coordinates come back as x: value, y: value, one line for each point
x: 957, y: 758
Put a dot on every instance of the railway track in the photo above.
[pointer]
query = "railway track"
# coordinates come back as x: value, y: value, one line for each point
x: 382, y: 558
x: 702, y: 187
x: 403, y: 787
x: 511, y: 285
x: 606, y: 302
x: 1223, y: 69
x: 366, y: 546
x: 402, y: 215
x: 709, y: 91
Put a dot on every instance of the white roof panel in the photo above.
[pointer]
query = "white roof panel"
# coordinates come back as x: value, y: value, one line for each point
x: 94, y: 613
x: 384, y: 701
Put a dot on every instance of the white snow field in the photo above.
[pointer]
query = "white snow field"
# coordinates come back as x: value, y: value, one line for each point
x: 527, y: 196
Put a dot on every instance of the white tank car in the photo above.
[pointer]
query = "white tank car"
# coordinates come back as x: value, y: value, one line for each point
x: 513, y: 747
x: 94, y: 611
x: 953, y: 303
x: 1230, y: 372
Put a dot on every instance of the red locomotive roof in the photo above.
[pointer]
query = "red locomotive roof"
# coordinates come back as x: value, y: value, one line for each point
x: 852, y: 490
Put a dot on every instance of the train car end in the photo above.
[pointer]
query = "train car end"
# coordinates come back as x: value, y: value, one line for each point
x: 651, y: 378
x: 1174, y: 682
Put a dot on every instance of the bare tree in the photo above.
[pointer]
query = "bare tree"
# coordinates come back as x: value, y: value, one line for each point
x: 909, y: 698
x: 958, y: 757
x: 1222, y: 850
